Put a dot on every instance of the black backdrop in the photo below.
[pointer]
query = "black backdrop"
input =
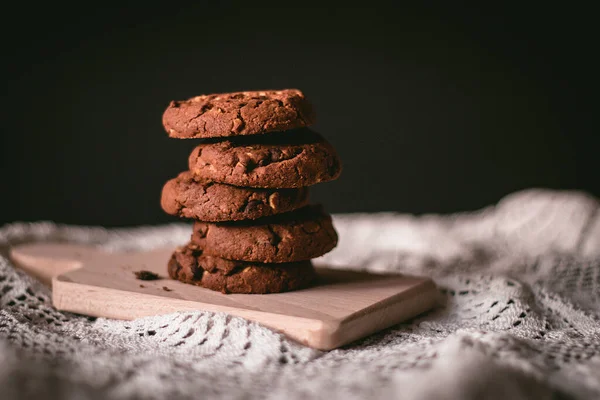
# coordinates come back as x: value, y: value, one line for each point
x: 431, y: 110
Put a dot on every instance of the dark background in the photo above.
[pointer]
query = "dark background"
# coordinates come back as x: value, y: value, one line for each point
x: 431, y: 110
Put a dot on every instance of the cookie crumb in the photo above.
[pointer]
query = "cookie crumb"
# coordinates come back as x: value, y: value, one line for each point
x: 144, y: 275
x: 166, y: 289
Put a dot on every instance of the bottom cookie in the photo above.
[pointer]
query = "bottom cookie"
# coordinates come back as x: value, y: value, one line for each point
x: 189, y: 265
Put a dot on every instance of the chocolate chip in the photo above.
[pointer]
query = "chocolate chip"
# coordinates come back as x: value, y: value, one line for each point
x: 144, y: 275
x: 202, y: 230
x: 252, y: 205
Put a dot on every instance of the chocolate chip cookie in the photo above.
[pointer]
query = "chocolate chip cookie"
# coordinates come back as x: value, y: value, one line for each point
x: 297, y: 159
x: 295, y: 236
x: 235, y: 114
x: 189, y: 197
x: 189, y: 264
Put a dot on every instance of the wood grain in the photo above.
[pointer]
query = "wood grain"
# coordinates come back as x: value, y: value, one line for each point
x: 342, y: 307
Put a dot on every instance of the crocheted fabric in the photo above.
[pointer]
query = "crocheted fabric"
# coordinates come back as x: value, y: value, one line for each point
x: 518, y: 317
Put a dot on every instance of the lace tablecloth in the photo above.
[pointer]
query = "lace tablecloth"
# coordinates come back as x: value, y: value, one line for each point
x: 518, y: 317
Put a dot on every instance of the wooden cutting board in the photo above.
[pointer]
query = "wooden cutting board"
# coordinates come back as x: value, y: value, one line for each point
x: 342, y: 307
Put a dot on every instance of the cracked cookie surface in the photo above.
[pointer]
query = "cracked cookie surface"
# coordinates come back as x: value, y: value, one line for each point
x: 189, y: 264
x: 295, y: 159
x: 298, y: 235
x: 189, y: 197
x: 239, y: 113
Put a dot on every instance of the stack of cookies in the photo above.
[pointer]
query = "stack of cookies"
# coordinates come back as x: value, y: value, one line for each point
x: 247, y: 190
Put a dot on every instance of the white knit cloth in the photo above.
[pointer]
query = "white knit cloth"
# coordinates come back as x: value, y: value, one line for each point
x: 518, y: 317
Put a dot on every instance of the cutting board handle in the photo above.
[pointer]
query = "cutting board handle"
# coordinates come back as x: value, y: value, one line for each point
x: 44, y: 261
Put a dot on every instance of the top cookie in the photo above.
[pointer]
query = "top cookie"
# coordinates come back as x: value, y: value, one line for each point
x: 237, y: 114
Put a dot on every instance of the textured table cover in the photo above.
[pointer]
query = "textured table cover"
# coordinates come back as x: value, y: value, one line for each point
x: 518, y: 317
